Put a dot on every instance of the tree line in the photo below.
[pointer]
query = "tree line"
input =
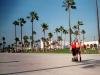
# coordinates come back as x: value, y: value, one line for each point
x: 47, y: 42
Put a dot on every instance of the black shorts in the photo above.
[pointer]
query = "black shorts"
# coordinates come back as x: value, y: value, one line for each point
x: 78, y: 51
x: 73, y: 51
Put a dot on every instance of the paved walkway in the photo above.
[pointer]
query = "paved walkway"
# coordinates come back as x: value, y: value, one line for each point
x: 48, y: 64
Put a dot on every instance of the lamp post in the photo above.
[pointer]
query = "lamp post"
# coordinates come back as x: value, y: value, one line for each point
x: 97, y: 14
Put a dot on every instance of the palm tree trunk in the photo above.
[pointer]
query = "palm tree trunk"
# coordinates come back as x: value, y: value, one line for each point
x: 15, y: 38
x: 61, y: 40
x: 32, y: 37
x: 50, y: 43
x: 57, y: 40
x: 3, y: 46
x: 44, y: 41
x: 15, y: 31
x: 83, y: 50
x: 79, y: 32
x: 57, y: 35
x: 70, y: 38
x: 83, y: 39
x: 21, y: 39
x: 98, y: 24
x: 16, y: 47
x: 64, y: 40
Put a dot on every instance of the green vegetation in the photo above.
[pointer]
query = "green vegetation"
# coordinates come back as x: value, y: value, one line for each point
x: 65, y: 51
x: 90, y: 51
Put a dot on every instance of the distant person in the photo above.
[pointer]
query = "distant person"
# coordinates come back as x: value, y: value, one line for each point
x: 78, y: 51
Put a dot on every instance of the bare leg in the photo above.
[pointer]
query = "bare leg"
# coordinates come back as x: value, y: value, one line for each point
x: 80, y: 56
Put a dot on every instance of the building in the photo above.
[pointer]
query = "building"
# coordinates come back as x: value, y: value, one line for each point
x: 90, y: 44
x: 55, y: 44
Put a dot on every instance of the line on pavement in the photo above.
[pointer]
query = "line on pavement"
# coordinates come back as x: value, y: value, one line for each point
x: 42, y: 69
x: 9, y: 61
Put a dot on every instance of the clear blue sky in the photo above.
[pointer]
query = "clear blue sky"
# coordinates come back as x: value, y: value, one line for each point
x: 49, y: 11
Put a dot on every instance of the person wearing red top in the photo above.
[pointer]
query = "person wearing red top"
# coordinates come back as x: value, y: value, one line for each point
x: 73, y: 49
x: 78, y: 52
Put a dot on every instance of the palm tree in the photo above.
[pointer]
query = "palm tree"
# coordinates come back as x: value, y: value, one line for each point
x: 98, y: 27
x: 70, y: 31
x: 3, y: 38
x: 43, y: 40
x: 25, y: 38
x: 50, y: 35
x: 0, y: 46
x: 61, y: 30
x: 34, y: 33
x: 59, y: 38
x: 68, y: 4
x: 33, y: 16
x: 37, y: 42
x: 21, y: 22
x: 44, y: 28
x: 15, y: 23
x: 65, y: 32
x: 16, y: 39
x: 8, y: 49
x: 77, y: 28
x: 83, y: 32
x: 57, y: 31
x: 79, y: 23
x: 76, y: 33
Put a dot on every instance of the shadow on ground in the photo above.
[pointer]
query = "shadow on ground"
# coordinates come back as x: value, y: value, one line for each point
x: 91, y: 63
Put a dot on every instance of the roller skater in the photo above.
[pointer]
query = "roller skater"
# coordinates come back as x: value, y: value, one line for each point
x: 73, y: 50
x: 78, y: 52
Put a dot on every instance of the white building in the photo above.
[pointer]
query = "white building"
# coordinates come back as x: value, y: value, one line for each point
x: 66, y: 44
x: 57, y: 45
x: 89, y: 43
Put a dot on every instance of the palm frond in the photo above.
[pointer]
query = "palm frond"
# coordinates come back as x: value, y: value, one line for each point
x: 75, y: 27
x: 28, y: 17
x: 73, y: 3
x: 73, y: 7
x: 80, y: 22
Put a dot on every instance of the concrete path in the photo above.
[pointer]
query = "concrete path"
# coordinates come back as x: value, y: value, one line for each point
x: 48, y: 64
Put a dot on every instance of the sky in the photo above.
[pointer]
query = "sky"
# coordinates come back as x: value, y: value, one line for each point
x: 50, y: 12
